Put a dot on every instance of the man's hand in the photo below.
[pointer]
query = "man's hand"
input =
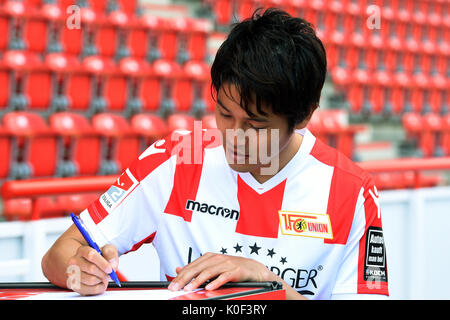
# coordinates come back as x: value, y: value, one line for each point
x: 223, y: 268
x: 88, y: 271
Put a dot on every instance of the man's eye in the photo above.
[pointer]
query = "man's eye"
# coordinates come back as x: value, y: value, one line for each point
x: 225, y: 115
x: 256, y: 128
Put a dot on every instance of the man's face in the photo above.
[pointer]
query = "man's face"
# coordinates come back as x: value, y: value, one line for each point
x: 251, y: 143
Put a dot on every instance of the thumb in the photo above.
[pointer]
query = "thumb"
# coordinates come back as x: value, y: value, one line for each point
x: 110, y: 253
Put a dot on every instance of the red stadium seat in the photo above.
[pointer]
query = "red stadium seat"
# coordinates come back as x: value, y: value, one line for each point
x: 433, y: 128
x: 5, y: 151
x: 77, y: 144
x: 446, y: 134
x: 180, y: 121
x: 112, y: 35
x: 4, y: 30
x: 119, y: 145
x: 209, y: 121
x: 34, y: 148
x: 244, y: 10
x: 149, y: 128
x: 198, y: 44
x: 421, y: 130
x: 160, y: 81
x: 81, y: 41
x: 4, y: 84
x: 123, y: 88
x: 86, y: 88
x: 15, y: 12
x: 145, y: 37
x: 17, y: 66
x: 315, y: 125
x: 223, y: 10
x: 190, y: 88
x: 149, y: 125
x: 185, y: 39
x: 61, y: 67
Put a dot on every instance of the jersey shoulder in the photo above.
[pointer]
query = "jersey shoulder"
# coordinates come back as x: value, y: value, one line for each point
x: 347, y: 168
x: 182, y: 146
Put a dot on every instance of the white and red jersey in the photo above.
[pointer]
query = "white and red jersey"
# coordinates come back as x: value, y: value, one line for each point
x: 316, y: 223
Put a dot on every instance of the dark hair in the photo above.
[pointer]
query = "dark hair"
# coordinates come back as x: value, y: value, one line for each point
x: 273, y: 59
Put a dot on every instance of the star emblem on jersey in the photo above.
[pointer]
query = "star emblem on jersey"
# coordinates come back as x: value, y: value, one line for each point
x: 238, y: 248
x: 270, y: 252
x: 254, y: 248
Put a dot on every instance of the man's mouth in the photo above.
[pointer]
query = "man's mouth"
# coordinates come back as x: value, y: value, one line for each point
x: 232, y: 151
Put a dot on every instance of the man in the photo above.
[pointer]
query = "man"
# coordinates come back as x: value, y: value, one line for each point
x: 261, y: 199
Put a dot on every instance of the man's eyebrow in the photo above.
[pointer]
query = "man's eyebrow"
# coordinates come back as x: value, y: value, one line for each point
x: 254, y: 118
x: 221, y: 104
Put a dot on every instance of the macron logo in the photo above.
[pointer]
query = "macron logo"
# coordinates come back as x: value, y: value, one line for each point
x: 212, y: 209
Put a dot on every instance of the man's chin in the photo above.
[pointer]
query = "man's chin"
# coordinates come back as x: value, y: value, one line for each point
x: 242, y: 167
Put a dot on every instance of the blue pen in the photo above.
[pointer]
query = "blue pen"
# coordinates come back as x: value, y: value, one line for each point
x: 91, y: 243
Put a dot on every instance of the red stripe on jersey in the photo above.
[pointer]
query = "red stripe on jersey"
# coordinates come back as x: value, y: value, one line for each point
x: 97, y: 211
x: 258, y: 214
x: 185, y: 187
x: 342, y: 199
x: 142, y: 168
x: 148, y: 239
x: 187, y: 175
x: 372, y: 220
x: 344, y: 190
x: 169, y: 278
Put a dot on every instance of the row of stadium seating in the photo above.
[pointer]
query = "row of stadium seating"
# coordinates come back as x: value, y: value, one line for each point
x: 69, y: 144
x: 400, y: 66
x: 388, y: 71
x: 50, y: 28
x: 426, y: 12
x: 97, y: 84
x: 430, y: 133
x: 61, y: 82
x: 130, y: 7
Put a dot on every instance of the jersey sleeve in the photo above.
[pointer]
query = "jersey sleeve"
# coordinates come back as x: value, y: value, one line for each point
x: 364, y: 267
x: 127, y: 215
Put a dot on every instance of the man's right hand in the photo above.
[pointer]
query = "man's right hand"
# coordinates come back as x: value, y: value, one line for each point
x: 88, y: 271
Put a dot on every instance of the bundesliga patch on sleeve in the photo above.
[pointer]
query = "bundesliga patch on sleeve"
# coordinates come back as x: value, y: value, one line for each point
x: 118, y: 191
x: 375, y: 256
x: 305, y: 224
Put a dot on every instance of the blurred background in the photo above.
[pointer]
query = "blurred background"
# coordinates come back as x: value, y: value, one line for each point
x: 86, y: 85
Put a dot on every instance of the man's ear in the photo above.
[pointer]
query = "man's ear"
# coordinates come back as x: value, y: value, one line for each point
x: 304, y: 123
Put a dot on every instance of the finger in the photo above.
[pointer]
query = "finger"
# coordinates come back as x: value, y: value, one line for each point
x: 89, y: 279
x: 87, y: 290
x: 94, y: 257
x: 220, y: 280
x: 201, y: 259
x: 185, y: 272
x: 109, y: 252
x: 205, y: 275
x: 91, y: 268
x: 192, y: 270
